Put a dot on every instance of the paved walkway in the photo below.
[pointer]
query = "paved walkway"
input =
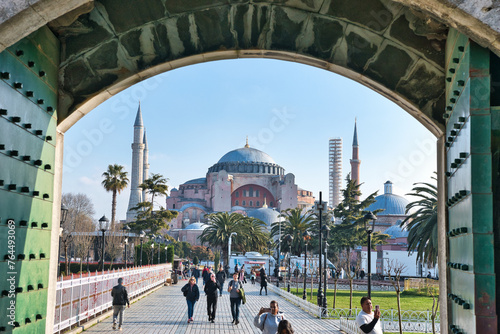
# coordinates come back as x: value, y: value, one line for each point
x: 165, y: 311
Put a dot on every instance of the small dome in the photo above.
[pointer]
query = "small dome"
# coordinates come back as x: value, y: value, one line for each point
x: 267, y: 215
x: 390, y: 203
x: 196, y: 226
x: 246, y: 154
x: 396, y: 231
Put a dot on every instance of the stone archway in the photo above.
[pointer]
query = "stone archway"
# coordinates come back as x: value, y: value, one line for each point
x: 94, y: 49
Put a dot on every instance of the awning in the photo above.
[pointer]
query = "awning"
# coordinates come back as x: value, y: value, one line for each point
x: 256, y: 262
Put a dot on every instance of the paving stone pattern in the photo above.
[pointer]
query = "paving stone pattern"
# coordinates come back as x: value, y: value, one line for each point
x: 165, y: 311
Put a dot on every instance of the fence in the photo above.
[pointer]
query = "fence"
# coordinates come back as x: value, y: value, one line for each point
x: 79, y: 297
x: 412, y: 321
x: 303, y: 304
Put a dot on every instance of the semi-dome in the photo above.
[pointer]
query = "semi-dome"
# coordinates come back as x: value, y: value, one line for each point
x: 390, y: 203
x: 196, y: 226
x: 246, y: 154
x: 265, y: 214
x: 396, y: 231
x: 201, y: 180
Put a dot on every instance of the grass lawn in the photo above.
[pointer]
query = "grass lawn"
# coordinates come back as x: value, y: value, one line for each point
x: 386, y: 299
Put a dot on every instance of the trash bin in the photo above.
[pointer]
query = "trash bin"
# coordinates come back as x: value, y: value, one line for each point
x: 174, y: 278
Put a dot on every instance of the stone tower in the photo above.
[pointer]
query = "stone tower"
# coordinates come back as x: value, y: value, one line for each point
x: 145, y: 174
x: 137, y: 165
x: 355, y: 162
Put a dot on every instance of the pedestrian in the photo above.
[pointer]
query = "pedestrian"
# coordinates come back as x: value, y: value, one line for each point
x: 252, y: 276
x: 368, y: 320
x: 267, y: 319
x: 226, y: 269
x: 362, y: 273
x: 211, y: 288
x: 192, y: 294
x: 206, y: 275
x: 120, y: 299
x: 221, y: 278
x: 235, y: 298
x: 285, y: 327
x: 429, y: 274
x: 236, y: 268
x: 242, y: 274
x: 196, y: 274
x: 263, y: 282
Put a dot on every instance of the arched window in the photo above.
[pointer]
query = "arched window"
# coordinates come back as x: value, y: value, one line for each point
x: 237, y: 194
x: 173, y: 207
x: 258, y: 203
x: 251, y: 203
x: 237, y: 202
x: 243, y: 203
x: 250, y: 193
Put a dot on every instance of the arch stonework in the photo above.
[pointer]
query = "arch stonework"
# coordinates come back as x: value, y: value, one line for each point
x: 399, y: 48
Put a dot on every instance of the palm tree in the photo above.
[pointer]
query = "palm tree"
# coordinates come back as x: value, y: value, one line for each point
x: 422, y: 224
x: 220, y: 227
x: 155, y: 185
x: 255, y: 234
x: 115, y: 180
x: 296, y: 223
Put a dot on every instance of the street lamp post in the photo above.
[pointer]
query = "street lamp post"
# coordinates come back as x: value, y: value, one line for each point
x: 325, y: 230
x: 269, y: 245
x: 369, y: 230
x: 208, y: 255
x: 307, y: 237
x: 142, y: 234
x: 152, y: 253
x: 126, y: 229
x: 229, y: 247
x: 320, y: 206
x: 279, y: 245
x: 103, y: 226
x: 289, y: 239
x: 158, y: 240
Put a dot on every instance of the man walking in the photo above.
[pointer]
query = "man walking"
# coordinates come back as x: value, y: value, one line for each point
x: 235, y: 298
x: 120, y: 299
x: 196, y: 274
x: 221, y: 278
x: 211, y: 287
x: 368, y: 320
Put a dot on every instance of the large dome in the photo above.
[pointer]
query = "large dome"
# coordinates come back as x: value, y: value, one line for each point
x: 247, y: 160
x: 390, y: 203
x: 246, y: 154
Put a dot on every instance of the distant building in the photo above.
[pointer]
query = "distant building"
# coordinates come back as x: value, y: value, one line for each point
x: 335, y: 170
x: 393, y: 206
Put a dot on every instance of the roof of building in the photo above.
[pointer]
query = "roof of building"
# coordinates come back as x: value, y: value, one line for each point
x: 246, y: 154
x: 196, y: 226
x: 396, y: 231
x: 390, y: 203
x: 201, y: 180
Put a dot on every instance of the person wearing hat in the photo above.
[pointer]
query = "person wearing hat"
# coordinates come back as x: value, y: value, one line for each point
x: 120, y: 299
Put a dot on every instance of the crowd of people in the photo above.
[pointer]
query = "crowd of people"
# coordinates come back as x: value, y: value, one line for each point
x: 268, y: 320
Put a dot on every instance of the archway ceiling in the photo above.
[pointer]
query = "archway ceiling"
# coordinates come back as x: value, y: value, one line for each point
x: 396, y: 48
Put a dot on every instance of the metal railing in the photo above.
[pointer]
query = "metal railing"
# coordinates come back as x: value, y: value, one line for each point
x: 412, y: 321
x: 303, y: 304
x: 80, y: 297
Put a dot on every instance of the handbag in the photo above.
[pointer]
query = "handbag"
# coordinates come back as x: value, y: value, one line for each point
x: 242, y: 296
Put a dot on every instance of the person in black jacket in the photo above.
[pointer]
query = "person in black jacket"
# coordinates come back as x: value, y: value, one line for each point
x: 221, y: 278
x: 196, y: 274
x: 120, y: 299
x: 263, y: 282
x: 192, y: 294
x: 211, y: 287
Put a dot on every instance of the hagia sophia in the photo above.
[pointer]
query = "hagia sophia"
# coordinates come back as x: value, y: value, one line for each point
x: 248, y: 181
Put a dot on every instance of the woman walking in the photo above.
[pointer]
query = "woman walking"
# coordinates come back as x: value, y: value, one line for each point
x: 242, y: 274
x: 263, y: 282
x: 192, y: 294
x: 211, y: 288
x: 235, y: 298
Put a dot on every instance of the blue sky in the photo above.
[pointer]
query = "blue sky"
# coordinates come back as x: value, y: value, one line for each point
x: 196, y: 114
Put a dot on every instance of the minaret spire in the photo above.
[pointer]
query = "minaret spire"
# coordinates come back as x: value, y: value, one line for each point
x: 355, y: 162
x: 137, y: 165
x: 246, y: 145
x: 145, y: 171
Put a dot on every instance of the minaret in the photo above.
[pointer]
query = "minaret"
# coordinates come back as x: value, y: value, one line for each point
x: 355, y: 162
x: 137, y: 165
x: 146, y: 166
x: 335, y: 170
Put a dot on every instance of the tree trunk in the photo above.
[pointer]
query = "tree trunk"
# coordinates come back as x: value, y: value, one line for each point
x: 113, y: 210
x: 335, y: 292
x: 398, y: 293
x: 81, y: 265
x: 66, y: 258
x: 350, y: 295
